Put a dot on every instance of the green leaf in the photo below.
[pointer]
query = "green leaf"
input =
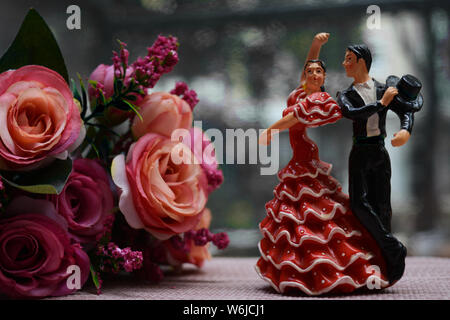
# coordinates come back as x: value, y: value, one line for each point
x: 95, y: 150
x: 82, y: 97
x: 47, y: 180
x: 134, y: 108
x: 83, y: 90
x: 101, y: 126
x: 118, y: 85
x: 94, y: 276
x: 104, y: 100
x: 75, y: 92
x: 34, y: 44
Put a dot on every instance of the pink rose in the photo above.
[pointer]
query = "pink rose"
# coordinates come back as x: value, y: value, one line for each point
x: 36, y: 253
x: 104, y: 75
x: 203, y: 149
x: 38, y: 115
x: 161, y: 195
x: 196, y: 254
x: 86, y: 201
x: 162, y: 113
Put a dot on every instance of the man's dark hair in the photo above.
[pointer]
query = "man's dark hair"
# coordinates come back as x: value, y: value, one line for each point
x: 362, y: 51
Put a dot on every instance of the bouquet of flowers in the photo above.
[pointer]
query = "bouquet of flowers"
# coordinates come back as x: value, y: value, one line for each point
x: 100, y: 178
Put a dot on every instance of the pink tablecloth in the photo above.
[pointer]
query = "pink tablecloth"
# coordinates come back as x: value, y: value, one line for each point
x: 236, y: 279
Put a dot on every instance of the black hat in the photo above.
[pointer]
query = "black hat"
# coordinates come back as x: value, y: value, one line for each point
x: 409, y: 97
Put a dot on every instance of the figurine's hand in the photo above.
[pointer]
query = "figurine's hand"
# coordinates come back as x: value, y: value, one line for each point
x: 400, y: 138
x: 322, y: 37
x: 388, y: 95
x: 265, y: 137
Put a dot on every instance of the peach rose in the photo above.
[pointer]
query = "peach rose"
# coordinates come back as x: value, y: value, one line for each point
x: 161, y: 113
x: 163, y: 196
x: 39, y: 118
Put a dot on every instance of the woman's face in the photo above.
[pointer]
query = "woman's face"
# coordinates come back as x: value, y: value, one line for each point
x: 315, y: 76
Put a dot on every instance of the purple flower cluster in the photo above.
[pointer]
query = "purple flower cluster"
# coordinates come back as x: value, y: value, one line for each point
x: 115, y: 259
x: 221, y: 240
x: 190, y: 96
x: 200, y: 237
x: 111, y: 257
x: 142, y: 74
x: 214, y: 176
x: 165, y: 50
x: 161, y: 58
x: 120, y: 60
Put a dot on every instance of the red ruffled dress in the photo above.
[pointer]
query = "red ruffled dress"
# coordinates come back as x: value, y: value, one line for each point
x: 311, y: 239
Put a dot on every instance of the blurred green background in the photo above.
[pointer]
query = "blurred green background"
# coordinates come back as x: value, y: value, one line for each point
x: 243, y: 57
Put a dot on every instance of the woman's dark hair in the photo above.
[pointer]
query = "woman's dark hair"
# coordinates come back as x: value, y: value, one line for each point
x: 362, y: 51
x: 322, y: 64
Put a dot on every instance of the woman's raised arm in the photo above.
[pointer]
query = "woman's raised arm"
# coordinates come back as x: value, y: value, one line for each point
x: 314, y: 51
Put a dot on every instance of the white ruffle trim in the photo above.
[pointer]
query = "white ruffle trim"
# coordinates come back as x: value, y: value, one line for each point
x: 353, y: 258
x: 321, y: 215
x: 286, y: 234
x: 307, y: 174
x: 305, y: 190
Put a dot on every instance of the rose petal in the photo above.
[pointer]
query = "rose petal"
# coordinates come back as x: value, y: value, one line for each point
x: 24, y: 205
x: 119, y: 176
x: 6, y: 101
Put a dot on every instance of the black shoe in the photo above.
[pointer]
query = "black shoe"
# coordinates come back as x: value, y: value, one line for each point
x: 397, y: 267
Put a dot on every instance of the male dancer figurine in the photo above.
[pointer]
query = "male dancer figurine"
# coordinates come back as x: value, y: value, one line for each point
x: 366, y: 103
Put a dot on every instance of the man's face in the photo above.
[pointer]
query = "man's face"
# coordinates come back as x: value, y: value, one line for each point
x: 351, y: 65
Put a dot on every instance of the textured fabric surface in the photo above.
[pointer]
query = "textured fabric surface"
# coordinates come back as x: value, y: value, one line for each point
x: 235, y: 279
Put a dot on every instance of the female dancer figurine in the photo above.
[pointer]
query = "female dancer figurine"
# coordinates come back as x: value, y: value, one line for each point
x: 311, y: 239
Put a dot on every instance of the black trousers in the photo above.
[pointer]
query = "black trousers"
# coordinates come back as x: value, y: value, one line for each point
x: 370, y: 198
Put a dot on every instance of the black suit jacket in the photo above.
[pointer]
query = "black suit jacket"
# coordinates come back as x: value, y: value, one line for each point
x: 353, y: 107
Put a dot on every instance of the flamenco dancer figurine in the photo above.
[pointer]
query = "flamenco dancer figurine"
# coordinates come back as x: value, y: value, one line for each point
x: 312, y: 241
x: 366, y: 103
